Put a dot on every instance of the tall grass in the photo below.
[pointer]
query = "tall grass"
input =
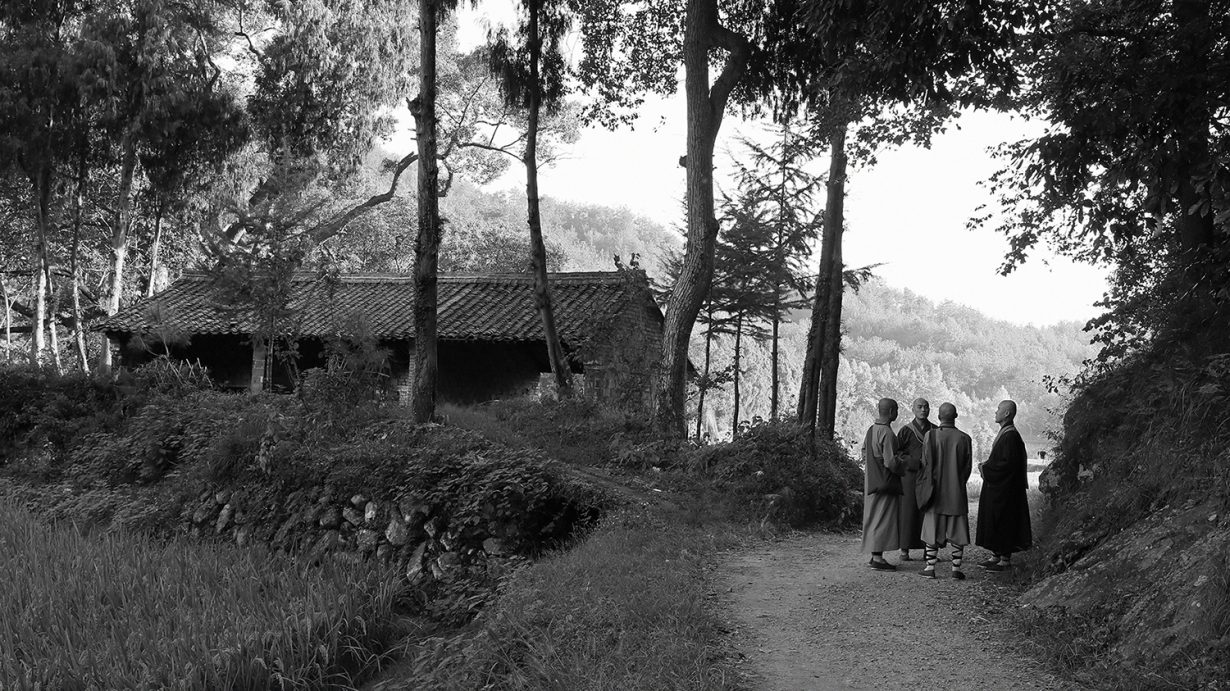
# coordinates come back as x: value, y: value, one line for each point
x: 624, y: 610
x: 120, y: 611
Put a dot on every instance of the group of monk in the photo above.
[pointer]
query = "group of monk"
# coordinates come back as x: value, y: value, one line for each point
x: 915, y: 489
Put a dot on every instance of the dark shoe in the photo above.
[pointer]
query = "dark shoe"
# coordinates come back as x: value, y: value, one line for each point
x: 905, y: 556
x: 988, y: 563
x: 997, y: 567
x: 927, y: 573
x: 959, y: 575
x: 882, y: 565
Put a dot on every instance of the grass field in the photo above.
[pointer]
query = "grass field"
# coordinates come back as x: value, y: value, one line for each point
x: 122, y: 611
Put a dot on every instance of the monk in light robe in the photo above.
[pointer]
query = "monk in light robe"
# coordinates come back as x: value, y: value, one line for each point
x: 948, y: 460
x: 881, y: 487
x: 910, y: 444
x: 1003, y: 509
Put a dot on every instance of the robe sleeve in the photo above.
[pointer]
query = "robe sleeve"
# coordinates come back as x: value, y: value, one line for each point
x: 894, y: 462
x: 905, y: 438
x: 965, y: 458
x: 1007, y: 458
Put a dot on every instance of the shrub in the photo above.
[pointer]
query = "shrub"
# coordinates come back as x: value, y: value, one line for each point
x: 773, y: 470
x: 577, y: 431
x: 120, y: 611
x: 40, y: 408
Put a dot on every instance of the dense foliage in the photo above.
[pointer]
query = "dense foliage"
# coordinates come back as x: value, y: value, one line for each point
x: 775, y: 470
x: 136, y: 458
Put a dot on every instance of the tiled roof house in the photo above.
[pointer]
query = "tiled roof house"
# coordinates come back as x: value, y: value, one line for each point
x: 490, y: 334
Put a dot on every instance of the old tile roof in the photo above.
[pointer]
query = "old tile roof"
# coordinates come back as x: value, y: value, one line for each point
x: 471, y: 307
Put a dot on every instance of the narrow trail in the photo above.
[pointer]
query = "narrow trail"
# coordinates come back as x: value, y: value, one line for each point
x: 808, y: 613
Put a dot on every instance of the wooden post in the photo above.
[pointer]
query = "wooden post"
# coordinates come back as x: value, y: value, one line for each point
x: 259, y: 354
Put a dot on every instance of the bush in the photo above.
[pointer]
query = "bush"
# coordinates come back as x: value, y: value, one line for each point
x: 39, y: 408
x: 577, y: 431
x: 773, y: 470
x: 120, y: 611
x: 484, y: 489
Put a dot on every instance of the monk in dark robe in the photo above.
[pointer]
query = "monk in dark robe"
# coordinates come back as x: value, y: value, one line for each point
x: 881, y: 487
x: 1003, y: 510
x: 910, y: 445
x: 948, y: 459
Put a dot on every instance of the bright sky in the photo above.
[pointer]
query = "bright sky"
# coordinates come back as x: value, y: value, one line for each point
x: 908, y: 212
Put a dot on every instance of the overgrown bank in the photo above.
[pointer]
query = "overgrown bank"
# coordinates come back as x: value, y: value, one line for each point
x: 1133, y: 571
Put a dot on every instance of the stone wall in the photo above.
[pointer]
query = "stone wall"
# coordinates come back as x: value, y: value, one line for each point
x: 621, y: 365
x: 321, y: 523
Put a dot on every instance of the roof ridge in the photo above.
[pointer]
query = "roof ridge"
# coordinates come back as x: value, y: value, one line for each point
x: 449, y: 277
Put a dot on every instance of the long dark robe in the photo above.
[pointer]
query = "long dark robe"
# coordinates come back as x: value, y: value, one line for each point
x: 909, y: 441
x: 1003, y: 510
x: 882, y: 490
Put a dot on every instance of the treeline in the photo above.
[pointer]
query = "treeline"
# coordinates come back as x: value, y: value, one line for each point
x: 902, y: 345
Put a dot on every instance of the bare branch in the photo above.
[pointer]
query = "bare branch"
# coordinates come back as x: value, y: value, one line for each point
x: 243, y: 33
x: 489, y: 147
x: 328, y: 229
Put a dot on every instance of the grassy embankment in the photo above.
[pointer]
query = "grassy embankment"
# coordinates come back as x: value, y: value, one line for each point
x: 623, y: 607
x: 627, y: 606
x: 118, y: 610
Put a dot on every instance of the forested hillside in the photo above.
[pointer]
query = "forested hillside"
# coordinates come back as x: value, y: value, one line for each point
x: 900, y: 344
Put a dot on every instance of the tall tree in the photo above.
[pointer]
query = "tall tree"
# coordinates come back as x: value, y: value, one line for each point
x: 532, y: 78
x: 639, y: 47
x: 777, y: 179
x: 865, y: 57
x: 1133, y: 171
x: 155, y: 55
x: 427, y: 242
x: 37, y: 52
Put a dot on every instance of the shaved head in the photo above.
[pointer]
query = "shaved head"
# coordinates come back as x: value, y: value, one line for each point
x: 1006, y: 412
x: 887, y: 409
x: 948, y: 412
x: 921, y: 408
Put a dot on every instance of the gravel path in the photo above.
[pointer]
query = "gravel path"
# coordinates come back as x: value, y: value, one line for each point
x: 808, y: 613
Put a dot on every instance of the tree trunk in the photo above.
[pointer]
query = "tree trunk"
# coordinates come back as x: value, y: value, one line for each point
x: 42, y: 191
x: 734, y: 422
x: 538, y: 250
x: 834, y: 220
x: 119, y: 234
x: 155, y: 247
x: 706, y: 105
x: 78, y: 325
x: 779, y: 270
x: 773, y: 355
x: 8, y: 322
x: 53, y: 326
x: 427, y: 243
x: 1195, y: 215
x: 700, y: 395
x: 830, y: 265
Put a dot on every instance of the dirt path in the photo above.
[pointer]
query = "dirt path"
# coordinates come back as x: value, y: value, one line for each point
x: 808, y: 613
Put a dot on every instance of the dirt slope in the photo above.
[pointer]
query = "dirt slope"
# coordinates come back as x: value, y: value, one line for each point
x: 808, y: 613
